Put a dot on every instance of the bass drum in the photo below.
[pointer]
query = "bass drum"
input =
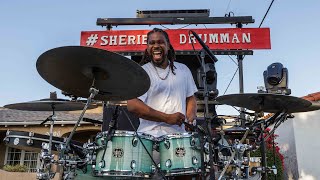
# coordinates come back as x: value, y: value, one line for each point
x: 31, y: 141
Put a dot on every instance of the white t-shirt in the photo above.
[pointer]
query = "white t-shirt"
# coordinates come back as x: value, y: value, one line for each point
x: 168, y: 96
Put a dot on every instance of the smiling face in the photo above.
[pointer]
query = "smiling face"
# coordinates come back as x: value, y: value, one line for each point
x: 157, y: 49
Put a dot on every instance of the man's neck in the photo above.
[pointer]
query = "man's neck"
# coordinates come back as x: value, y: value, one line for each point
x: 163, y: 65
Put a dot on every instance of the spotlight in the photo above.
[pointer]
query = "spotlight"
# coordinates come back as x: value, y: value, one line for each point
x: 276, y: 79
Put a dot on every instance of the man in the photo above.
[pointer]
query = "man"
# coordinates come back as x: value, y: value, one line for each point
x: 170, y: 99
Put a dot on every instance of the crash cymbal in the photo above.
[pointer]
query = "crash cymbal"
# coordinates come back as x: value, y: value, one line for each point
x: 74, y: 69
x: 49, y: 104
x: 265, y: 102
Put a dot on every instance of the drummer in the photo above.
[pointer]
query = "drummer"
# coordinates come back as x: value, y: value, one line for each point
x: 170, y: 99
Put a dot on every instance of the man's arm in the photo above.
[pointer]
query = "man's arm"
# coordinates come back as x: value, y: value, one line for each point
x: 191, y: 108
x: 144, y: 111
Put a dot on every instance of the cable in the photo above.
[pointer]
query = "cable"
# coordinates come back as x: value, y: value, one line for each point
x: 233, y: 60
x: 176, y: 28
x: 231, y: 81
x: 227, y: 7
x: 266, y: 13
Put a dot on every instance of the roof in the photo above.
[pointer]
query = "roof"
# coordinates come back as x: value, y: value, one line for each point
x: 312, y: 97
x: 10, y: 115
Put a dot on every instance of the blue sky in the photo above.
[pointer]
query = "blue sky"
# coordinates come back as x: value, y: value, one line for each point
x: 29, y: 28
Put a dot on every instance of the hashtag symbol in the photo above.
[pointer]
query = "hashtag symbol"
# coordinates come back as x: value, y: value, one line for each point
x: 92, y: 39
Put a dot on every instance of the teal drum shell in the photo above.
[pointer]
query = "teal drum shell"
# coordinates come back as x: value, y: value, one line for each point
x: 125, y: 156
x: 180, y: 154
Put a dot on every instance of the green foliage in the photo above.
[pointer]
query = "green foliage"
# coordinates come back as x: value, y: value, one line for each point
x: 15, y: 168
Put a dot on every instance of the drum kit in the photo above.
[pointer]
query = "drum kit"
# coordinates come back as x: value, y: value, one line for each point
x: 117, y: 154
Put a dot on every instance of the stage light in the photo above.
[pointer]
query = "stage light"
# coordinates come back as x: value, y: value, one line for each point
x: 276, y: 79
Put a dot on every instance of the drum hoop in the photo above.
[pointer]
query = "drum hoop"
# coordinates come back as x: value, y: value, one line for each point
x: 176, y: 136
x: 120, y: 173
x: 120, y: 133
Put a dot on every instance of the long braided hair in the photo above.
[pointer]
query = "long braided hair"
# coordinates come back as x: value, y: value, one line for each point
x: 171, y: 53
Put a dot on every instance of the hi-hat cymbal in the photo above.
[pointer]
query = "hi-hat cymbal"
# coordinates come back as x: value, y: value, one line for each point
x: 74, y: 69
x: 49, y: 105
x: 265, y: 102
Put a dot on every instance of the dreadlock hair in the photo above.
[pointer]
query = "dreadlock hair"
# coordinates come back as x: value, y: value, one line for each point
x: 171, y: 53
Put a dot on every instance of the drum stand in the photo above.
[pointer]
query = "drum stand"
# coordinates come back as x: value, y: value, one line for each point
x: 46, y: 156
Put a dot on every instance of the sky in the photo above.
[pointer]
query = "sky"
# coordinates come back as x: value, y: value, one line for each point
x: 29, y: 28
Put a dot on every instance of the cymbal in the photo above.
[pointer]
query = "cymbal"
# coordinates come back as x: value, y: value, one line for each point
x: 73, y: 69
x: 265, y: 102
x: 314, y: 106
x: 49, y: 104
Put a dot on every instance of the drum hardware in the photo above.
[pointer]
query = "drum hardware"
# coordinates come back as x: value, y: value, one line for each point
x: 94, y: 70
x: 111, y: 131
x: 51, y: 104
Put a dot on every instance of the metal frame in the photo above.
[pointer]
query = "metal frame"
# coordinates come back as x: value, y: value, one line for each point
x: 109, y: 22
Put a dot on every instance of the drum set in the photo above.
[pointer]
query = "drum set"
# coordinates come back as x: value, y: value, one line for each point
x: 213, y: 152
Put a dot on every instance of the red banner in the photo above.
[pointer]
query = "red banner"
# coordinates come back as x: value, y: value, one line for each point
x: 181, y: 39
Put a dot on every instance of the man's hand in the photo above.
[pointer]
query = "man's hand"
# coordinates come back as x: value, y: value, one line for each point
x: 175, y: 118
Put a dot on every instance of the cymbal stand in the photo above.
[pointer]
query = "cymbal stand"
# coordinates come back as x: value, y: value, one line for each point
x: 46, y: 156
x: 206, y: 114
x: 71, y: 164
x: 93, y: 92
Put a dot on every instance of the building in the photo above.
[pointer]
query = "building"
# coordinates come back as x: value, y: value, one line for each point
x: 29, y: 121
x: 298, y: 142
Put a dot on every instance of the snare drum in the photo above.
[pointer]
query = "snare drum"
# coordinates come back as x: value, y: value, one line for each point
x: 124, y: 156
x: 180, y: 154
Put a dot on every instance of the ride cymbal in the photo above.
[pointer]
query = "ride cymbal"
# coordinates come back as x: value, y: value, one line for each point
x: 265, y: 102
x: 75, y: 69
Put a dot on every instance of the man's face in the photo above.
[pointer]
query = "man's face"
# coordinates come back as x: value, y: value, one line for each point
x: 158, y: 48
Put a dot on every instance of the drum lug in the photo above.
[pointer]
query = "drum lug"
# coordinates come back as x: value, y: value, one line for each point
x: 30, y: 141
x: 192, y: 141
x: 195, y: 160
x: 167, y: 144
x: 102, y: 164
x: 168, y: 163
x: 31, y: 134
x: 133, y: 164
x: 153, y: 168
x: 155, y: 146
x: 6, y: 140
x: 134, y: 142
